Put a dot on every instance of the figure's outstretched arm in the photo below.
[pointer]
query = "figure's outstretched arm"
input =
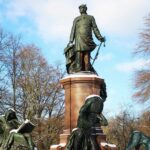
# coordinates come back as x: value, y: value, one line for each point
x: 103, y: 120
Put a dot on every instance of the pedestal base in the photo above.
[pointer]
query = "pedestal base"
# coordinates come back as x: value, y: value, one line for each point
x: 77, y: 87
x: 101, y: 139
x: 63, y: 141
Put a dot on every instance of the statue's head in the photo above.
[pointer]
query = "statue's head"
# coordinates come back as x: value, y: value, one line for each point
x: 82, y: 8
x: 10, y: 115
x: 95, y: 103
x: 89, y: 112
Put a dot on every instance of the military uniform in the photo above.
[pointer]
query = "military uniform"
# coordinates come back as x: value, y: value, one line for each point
x: 81, y: 32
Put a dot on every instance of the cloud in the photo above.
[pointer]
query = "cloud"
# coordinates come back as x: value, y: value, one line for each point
x: 121, y: 17
x: 133, y: 65
x: 53, y: 19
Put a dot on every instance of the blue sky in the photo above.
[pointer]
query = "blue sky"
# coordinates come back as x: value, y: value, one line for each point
x: 47, y: 23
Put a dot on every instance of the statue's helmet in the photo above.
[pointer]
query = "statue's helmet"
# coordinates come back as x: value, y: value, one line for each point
x: 83, y: 6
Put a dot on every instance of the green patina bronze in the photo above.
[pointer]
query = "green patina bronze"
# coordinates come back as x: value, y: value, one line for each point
x: 78, y: 54
x: 12, y: 140
x: 138, y: 139
x: 90, y: 117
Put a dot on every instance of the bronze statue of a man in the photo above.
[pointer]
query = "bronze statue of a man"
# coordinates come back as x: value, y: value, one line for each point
x: 81, y: 33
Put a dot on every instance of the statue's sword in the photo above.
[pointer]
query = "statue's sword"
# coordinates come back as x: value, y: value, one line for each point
x: 97, y: 53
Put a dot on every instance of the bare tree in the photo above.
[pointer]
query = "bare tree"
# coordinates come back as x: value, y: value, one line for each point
x: 39, y: 84
x: 9, y: 47
x: 31, y: 86
x: 144, y: 122
x: 120, y: 128
x: 11, y: 62
x: 3, y: 45
x: 142, y: 77
x: 41, y: 95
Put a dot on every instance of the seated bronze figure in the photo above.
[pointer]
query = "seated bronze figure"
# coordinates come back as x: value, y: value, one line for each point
x: 90, y: 117
x: 10, y: 137
x: 137, y: 139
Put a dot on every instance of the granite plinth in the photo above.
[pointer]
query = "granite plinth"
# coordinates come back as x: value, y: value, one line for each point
x: 77, y: 87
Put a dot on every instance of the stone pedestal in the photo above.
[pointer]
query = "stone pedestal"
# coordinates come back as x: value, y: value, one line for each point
x: 77, y: 87
x: 100, y: 136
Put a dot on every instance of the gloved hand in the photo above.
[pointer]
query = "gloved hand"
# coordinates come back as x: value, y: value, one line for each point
x: 102, y: 39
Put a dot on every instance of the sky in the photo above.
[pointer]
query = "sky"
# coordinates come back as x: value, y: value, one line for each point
x: 47, y: 24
